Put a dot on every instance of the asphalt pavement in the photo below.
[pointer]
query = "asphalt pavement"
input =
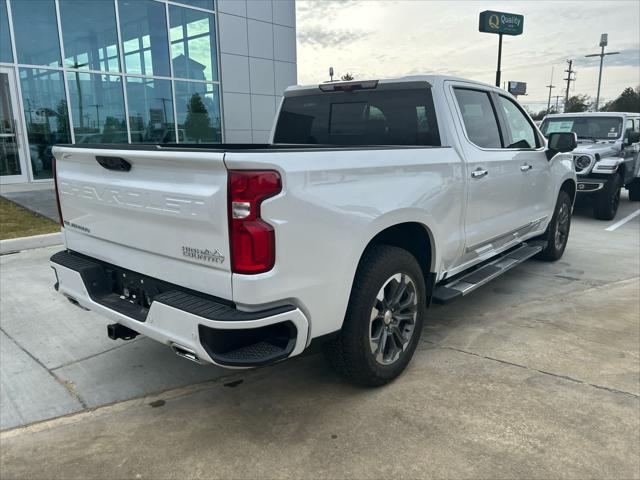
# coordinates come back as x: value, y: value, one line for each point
x: 536, y: 374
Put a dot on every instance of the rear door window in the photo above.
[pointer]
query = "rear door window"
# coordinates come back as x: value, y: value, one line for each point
x: 361, y: 117
x: 479, y: 117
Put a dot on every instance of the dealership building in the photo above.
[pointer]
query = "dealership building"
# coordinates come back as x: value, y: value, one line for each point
x: 138, y: 71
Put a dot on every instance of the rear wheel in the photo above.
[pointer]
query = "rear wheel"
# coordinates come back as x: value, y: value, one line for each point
x: 606, y: 202
x: 557, y: 233
x: 384, y: 318
x: 634, y: 190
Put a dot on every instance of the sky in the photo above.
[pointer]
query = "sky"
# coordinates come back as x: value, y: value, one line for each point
x: 392, y: 38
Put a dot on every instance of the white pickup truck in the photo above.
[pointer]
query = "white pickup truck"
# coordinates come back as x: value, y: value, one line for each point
x: 374, y: 199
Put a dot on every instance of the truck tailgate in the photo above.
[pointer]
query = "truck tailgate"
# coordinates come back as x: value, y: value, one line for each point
x: 165, y: 217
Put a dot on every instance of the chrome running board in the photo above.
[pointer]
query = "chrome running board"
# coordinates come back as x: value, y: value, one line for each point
x: 467, y: 282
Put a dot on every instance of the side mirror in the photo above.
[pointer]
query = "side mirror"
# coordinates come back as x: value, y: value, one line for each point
x: 561, y: 142
x: 633, y: 137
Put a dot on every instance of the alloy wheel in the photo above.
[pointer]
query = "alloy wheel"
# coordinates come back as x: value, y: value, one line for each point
x: 562, y: 227
x: 393, y: 318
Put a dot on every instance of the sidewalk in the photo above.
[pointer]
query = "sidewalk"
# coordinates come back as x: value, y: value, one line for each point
x: 544, y: 389
x: 37, y: 197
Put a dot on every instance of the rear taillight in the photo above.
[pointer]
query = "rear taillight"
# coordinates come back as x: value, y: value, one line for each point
x: 252, y: 240
x: 55, y: 184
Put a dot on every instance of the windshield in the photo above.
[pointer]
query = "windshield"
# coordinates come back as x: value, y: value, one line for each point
x: 593, y: 128
x: 361, y: 117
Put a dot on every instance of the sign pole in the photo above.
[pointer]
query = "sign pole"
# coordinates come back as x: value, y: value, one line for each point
x: 499, y: 60
x: 500, y: 23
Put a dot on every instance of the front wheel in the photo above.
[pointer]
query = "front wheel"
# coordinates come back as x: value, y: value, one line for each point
x: 384, y: 318
x: 557, y: 233
x: 607, y: 200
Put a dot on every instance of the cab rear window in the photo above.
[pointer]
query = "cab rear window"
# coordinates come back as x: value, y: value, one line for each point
x: 361, y: 117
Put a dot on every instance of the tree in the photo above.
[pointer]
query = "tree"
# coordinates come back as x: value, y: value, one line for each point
x: 628, y: 101
x: 114, y: 131
x: 197, y: 126
x: 62, y: 120
x: 540, y: 115
x: 577, y: 103
x: 347, y: 77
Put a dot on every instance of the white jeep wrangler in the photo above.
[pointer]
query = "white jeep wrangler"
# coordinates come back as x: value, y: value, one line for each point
x: 607, y: 156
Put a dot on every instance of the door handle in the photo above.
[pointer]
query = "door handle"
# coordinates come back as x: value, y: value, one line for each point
x: 525, y: 167
x: 479, y: 173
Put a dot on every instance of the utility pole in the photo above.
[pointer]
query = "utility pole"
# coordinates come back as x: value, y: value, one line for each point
x: 550, y: 86
x: 604, y: 40
x: 499, y: 60
x: 557, y: 97
x: 569, y: 79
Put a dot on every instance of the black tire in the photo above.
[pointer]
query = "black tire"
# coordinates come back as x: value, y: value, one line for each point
x: 634, y: 189
x: 351, y: 352
x: 605, y: 205
x: 557, y: 233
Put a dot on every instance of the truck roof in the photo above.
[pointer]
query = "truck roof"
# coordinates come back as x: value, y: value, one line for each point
x: 592, y: 114
x: 431, y: 79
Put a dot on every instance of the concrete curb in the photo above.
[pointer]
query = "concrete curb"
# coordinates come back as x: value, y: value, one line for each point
x: 27, y: 243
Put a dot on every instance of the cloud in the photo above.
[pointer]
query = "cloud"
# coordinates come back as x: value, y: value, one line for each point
x: 322, y: 10
x: 317, y: 36
x: 382, y: 38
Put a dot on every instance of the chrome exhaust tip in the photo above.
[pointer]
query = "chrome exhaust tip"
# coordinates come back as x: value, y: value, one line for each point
x: 187, y: 353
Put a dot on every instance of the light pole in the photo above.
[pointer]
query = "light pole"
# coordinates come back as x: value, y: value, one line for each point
x: 79, y: 88
x: 604, y: 39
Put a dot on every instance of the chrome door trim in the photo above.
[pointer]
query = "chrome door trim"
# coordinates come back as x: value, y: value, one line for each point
x: 514, y: 232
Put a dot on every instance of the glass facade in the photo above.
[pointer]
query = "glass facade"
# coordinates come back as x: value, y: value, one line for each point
x: 198, y: 112
x: 144, y: 37
x: 89, y: 35
x: 46, y: 115
x: 36, y: 32
x: 6, y: 54
x: 97, y: 108
x: 193, y: 48
x: 150, y: 110
x: 112, y: 71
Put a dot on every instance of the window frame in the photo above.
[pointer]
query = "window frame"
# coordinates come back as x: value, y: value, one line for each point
x: 489, y: 94
x: 506, y: 128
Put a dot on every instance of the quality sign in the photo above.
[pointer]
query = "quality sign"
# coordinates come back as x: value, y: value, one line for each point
x: 501, y: 22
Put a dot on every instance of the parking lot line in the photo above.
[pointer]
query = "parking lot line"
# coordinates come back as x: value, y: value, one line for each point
x: 623, y: 221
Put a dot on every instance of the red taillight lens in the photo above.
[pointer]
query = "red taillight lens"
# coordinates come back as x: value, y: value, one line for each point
x: 252, y: 240
x: 55, y: 184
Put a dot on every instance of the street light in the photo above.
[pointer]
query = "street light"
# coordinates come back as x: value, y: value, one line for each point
x: 604, y: 40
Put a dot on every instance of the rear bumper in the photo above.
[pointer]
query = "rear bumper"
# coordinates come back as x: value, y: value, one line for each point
x: 215, y: 331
